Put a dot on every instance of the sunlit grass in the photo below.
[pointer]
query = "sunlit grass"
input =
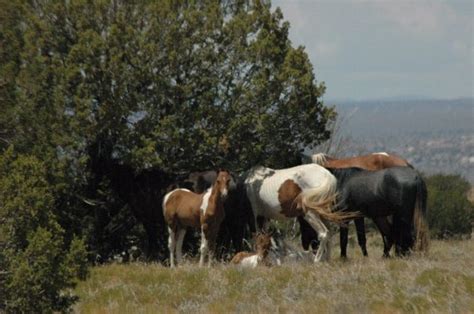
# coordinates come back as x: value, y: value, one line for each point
x: 442, y: 282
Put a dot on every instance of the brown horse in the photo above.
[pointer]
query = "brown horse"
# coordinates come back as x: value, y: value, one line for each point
x: 183, y: 208
x: 263, y: 243
x: 371, y: 162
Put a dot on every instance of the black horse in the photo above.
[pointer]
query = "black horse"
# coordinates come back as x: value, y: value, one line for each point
x: 399, y: 192
x: 142, y: 191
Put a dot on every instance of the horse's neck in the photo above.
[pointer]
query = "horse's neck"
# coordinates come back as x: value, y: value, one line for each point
x: 262, y: 254
x: 215, y: 199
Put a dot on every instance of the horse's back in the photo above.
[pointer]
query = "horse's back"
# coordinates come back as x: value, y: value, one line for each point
x: 405, y: 179
x: 384, y: 160
x: 384, y: 190
x: 182, y: 205
x: 372, y: 162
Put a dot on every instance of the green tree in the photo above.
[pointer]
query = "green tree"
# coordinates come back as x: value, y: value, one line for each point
x: 173, y: 85
x: 449, y: 211
x: 11, y: 46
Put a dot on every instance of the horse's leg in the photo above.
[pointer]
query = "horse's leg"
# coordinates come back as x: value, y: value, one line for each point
x: 343, y: 235
x: 405, y: 233
x: 172, y: 245
x: 360, y: 228
x: 309, y: 237
x: 179, y: 245
x: 396, y: 234
x: 386, y: 230
x: 323, y: 252
x: 212, y: 250
x: 204, y: 245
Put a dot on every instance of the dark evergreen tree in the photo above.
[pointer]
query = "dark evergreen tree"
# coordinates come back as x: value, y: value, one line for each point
x: 168, y: 86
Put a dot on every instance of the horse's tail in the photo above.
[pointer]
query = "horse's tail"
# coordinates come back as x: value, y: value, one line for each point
x: 422, y: 237
x: 322, y: 200
x: 319, y: 159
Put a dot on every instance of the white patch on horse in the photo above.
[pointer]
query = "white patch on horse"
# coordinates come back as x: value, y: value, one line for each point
x: 381, y: 153
x: 250, y: 261
x: 204, y: 248
x: 205, y: 200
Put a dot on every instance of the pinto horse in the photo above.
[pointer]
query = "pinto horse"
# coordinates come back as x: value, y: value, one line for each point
x: 307, y: 190
x: 183, y: 208
x: 263, y: 243
x: 372, y: 162
x: 238, y: 221
x: 397, y: 191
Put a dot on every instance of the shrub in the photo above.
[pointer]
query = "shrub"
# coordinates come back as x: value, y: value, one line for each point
x: 37, y: 265
x: 450, y: 214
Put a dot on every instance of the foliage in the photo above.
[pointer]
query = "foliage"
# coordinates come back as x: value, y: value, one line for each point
x: 171, y: 85
x: 449, y: 211
x: 36, y: 263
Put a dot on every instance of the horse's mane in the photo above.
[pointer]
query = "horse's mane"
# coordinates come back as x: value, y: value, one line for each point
x: 320, y: 158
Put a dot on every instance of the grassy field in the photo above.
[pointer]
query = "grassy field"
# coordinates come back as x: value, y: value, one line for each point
x: 442, y: 282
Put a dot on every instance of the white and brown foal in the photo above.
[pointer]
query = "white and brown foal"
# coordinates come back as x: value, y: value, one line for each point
x: 183, y: 208
x: 263, y: 243
x: 307, y: 190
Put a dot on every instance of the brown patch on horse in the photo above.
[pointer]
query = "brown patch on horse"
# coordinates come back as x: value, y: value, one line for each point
x: 237, y: 259
x: 183, y: 208
x: 288, y: 196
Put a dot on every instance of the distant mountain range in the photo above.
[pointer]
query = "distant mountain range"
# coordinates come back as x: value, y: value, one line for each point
x: 434, y: 135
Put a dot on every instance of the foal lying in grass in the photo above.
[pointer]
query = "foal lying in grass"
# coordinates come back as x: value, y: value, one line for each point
x: 263, y: 244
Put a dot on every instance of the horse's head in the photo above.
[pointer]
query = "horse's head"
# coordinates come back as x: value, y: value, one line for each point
x: 263, y: 242
x: 223, y: 182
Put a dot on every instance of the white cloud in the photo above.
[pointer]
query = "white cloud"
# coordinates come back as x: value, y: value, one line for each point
x: 425, y: 18
x: 326, y: 49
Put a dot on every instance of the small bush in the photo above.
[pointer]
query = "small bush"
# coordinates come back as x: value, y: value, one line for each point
x: 450, y: 214
x: 39, y: 275
x: 37, y: 265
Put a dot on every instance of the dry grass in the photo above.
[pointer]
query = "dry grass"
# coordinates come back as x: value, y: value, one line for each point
x: 442, y: 282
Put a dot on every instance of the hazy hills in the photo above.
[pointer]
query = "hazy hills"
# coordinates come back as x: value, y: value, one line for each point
x: 434, y: 135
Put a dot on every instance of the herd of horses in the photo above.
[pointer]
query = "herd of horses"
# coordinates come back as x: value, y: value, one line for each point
x: 383, y: 187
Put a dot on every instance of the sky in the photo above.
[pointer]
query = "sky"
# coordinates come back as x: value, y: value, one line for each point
x: 380, y: 49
